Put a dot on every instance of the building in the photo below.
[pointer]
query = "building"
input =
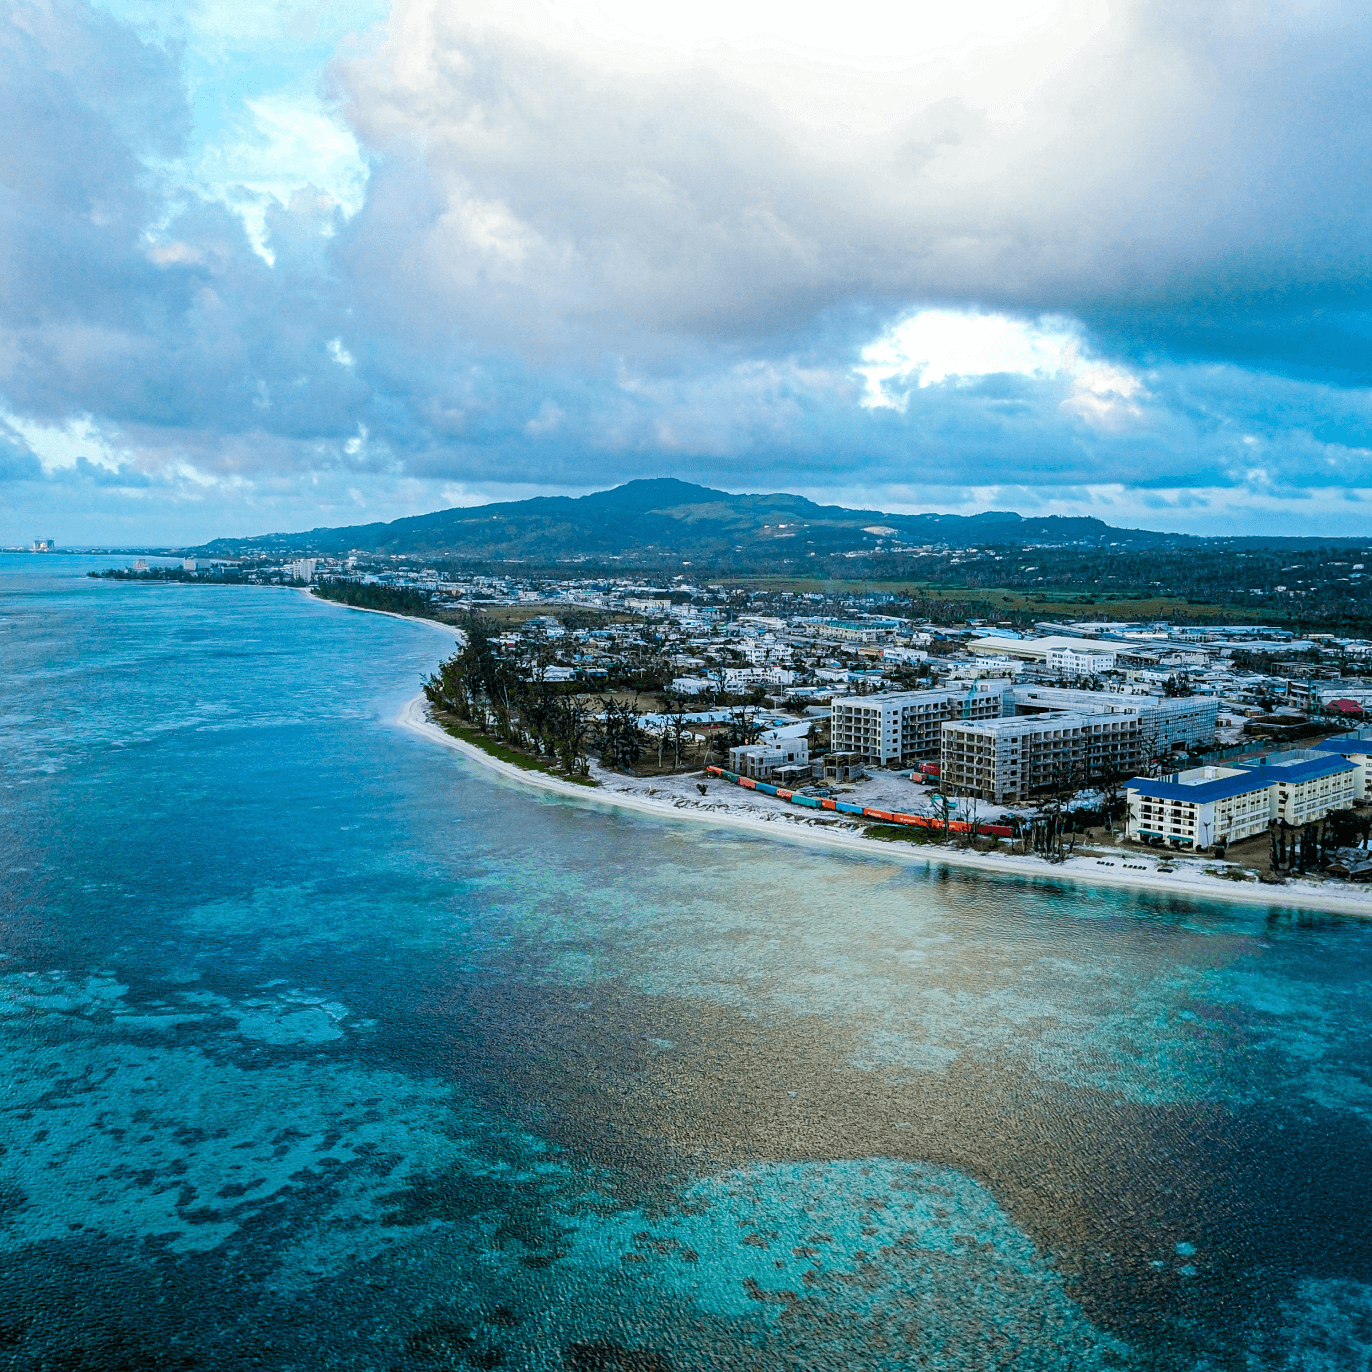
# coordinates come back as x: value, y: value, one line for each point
x: 693, y: 685
x: 1032, y: 649
x: 303, y: 570
x: 761, y: 760
x: 741, y: 679
x: 1166, y: 723
x: 1075, y: 662
x: 1208, y: 805
x: 1357, y: 748
x: 905, y: 726
x: 986, y: 667
x: 857, y: 631
x: 837, y: 767
x: 1008, y: 760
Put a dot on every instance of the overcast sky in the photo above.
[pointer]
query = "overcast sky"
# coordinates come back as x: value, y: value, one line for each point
x: 269, y: 265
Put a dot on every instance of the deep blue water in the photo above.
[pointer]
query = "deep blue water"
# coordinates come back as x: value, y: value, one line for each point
x: 322, y: 1049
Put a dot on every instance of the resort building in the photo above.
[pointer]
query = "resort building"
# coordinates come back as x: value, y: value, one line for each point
x: 1208, y: 805
x: 1006, y: 761
x: 1166, y: 723
x: 1357, y: 748
x: 905, y: 726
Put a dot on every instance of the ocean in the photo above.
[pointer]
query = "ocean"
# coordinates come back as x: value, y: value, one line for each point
x: 323, y: 1048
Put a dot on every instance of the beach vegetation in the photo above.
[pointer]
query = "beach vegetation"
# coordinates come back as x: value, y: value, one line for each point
x: 511, y: 703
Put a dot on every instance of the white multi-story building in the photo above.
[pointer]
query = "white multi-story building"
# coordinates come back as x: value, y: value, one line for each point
x: 1076, y: 662
x: 1357, y: 748
x: 1208, y: 805
x: 1008, y: 760
x: 1166, y: 723
x: 900, y: 726
x: 745, y: 678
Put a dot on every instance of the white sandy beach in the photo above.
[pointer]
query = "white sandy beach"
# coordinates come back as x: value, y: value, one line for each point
x: 731, y: 807
x: 725, y: 806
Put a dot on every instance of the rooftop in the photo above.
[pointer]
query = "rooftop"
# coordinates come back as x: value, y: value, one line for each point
x: 1223, y: 782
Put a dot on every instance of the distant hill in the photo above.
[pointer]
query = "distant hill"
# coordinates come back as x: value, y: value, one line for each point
x: 644, y: 522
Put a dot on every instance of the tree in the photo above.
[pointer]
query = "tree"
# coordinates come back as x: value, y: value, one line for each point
x: 620, y: 736
x: 679, y: 734
x: 742, y: 731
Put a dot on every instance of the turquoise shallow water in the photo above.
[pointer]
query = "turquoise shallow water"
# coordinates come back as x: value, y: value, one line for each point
x: 323, y: 1049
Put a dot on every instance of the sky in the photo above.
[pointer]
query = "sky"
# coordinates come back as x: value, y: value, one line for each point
x: 273, y: 265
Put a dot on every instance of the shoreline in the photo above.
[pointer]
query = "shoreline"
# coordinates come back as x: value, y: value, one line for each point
x: 390, y: 614
x: 1079, y: 872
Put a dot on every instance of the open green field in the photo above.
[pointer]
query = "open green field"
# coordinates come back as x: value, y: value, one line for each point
x: 1045, y: 603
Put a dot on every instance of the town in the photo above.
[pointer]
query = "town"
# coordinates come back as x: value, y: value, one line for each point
x: 1240, y: 741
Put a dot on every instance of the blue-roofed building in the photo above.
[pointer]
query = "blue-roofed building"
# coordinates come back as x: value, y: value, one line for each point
x: 1208, y: 805
x: 1357, y: 748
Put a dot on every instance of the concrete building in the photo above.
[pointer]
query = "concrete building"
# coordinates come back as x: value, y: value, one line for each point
x: 741, y: 679
x: 1074, y: 662
x: 837, y: 766
x: 859, y: 631
x: 693, y: 685
x: 905, y: 726
x: 1007, y: 761
x: 1166, y: 723
x: 1207, y: 805
x: 1357, y: 748
x: 760, y: 760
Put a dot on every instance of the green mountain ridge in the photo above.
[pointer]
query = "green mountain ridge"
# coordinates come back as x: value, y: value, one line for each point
x: 665, y: 519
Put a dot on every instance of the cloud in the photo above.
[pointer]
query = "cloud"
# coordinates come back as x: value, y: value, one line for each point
x: 1155, y: 160
x: 1063, y: 248
x: 932, y: 347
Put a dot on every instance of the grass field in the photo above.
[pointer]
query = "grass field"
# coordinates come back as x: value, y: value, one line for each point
x: 1047, y: 603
